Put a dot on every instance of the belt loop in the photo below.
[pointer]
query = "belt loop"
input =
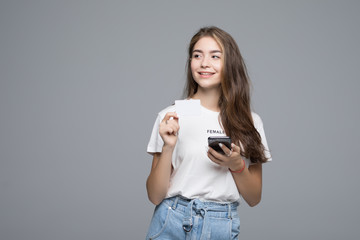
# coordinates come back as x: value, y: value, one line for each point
x: 187, y: 221
x: 175, y: 203
x: 229, y: 211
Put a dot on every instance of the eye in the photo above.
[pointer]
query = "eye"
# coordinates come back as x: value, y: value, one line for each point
x: 215, y: 56
x: 196, y: 56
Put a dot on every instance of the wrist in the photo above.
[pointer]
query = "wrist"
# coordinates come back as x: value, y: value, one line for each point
x: 239, y: 168
x: 168, y: 148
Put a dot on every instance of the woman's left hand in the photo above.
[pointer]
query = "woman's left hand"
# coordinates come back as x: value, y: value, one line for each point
x: 232, y: 158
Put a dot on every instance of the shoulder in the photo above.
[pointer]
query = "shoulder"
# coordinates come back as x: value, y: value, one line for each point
x: 258, y: 123
x: 257, y: 120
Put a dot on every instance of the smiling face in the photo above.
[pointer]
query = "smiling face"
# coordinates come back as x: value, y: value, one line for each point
x: 207, y: 63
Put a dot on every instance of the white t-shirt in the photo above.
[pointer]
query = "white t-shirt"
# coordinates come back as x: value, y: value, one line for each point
x: 195, y: 175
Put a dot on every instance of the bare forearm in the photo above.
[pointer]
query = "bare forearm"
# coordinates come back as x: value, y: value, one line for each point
x: 158, y: 181
x: 249, y: 185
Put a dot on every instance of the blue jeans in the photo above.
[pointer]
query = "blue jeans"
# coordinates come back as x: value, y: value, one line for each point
x: 185, y: 219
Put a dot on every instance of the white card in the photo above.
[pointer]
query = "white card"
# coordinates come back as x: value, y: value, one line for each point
x: 190, y: 107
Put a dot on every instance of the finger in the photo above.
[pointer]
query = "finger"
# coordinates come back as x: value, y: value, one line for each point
x: 215, y: 160
x: 170, y: 115
x: 170, y: 131
x: 175, y: 128
x: 176, y: 118
x: 174, y: 125
x: 216, y: 155
x: 235, y: 148
x: 229, y: 154
x: 226, y: 150
x: 173, y: 121
x: 166, y: 129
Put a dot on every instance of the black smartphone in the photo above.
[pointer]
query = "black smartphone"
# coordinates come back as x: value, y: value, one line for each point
x: 213, y: 142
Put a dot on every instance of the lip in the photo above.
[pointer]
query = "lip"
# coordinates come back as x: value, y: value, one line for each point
x: 205, y: 74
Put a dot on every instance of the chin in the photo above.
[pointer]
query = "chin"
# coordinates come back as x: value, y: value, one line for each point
x: 208, y: 85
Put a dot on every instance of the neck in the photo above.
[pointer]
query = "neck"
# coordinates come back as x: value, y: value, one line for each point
x: 209, y: 98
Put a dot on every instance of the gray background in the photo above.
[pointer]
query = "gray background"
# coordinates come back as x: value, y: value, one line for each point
x: 81, y: 83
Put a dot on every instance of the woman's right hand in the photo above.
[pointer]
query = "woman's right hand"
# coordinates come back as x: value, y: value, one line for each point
x: 169, y: 128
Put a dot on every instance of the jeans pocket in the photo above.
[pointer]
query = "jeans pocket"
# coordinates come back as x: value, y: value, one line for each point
x: 159, y: 221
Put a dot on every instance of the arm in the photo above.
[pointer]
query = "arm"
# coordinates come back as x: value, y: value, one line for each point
x: 159, y: 177
x: 249, y: 184
x: 249, y: 181
x: 158, y: 181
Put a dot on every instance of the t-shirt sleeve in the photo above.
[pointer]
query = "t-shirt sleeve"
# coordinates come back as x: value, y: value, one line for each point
x: 156, y: 143
x: 260, y: 128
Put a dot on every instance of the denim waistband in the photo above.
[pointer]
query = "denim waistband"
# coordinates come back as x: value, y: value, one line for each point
x: 211, y: 206
x: 196, y: 206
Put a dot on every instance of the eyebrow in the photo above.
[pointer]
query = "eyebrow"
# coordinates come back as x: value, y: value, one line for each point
x: 212, y: 51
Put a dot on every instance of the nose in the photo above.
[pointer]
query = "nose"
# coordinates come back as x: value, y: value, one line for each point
x: 205, y: 63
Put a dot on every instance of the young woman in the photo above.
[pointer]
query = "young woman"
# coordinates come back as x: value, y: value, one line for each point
x: 197, y: 189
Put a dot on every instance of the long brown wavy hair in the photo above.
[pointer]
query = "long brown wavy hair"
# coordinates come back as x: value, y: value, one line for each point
x: 234, y: 102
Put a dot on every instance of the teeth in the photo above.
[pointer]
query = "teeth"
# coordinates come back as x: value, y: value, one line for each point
x: 205, y: 73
